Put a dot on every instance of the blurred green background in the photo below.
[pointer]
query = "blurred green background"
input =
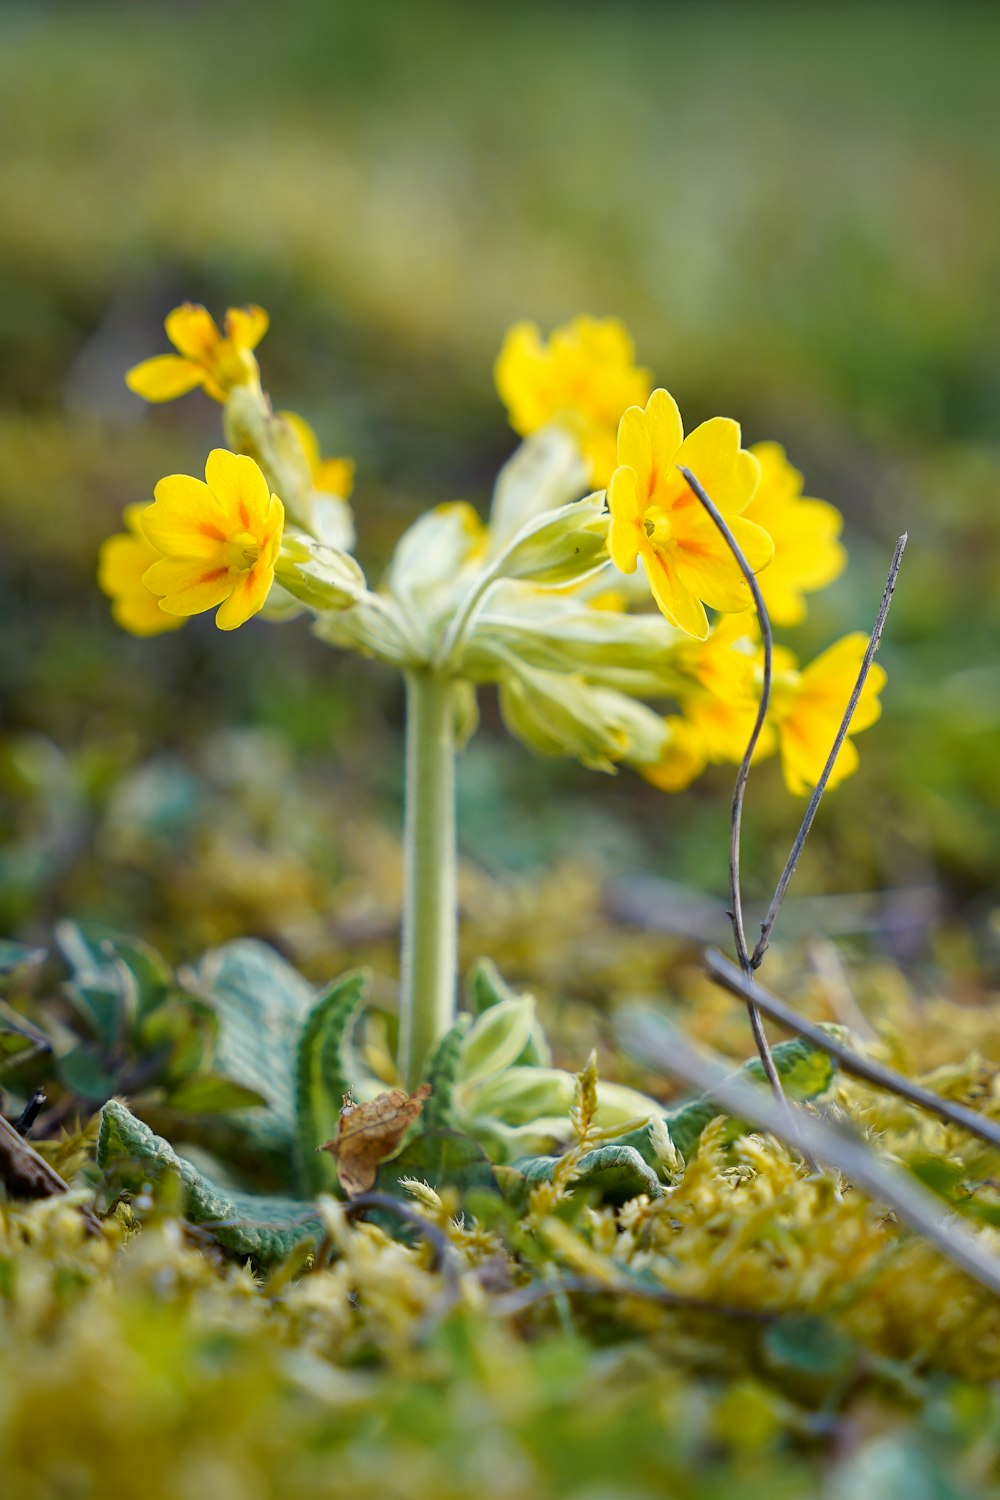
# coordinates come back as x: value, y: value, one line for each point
x: 796, y: 209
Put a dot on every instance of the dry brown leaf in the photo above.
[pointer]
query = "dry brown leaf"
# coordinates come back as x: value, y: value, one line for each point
x: 368, y: 1133
x: 26, y: 1174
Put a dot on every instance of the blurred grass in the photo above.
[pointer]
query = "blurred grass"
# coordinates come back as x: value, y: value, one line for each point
x: 796, y: 209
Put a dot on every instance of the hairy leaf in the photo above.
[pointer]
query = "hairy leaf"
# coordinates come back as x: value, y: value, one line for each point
x: 264, y: 1228
x: 324, y: 1075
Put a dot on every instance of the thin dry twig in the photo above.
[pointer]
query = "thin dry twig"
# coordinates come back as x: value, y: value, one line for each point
x: 852, y: 1062
x: 742, y: 775
x: 767, y: 926
x: 658, y: 1043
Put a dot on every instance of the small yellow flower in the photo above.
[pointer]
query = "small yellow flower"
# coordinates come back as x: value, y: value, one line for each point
x: 331, y: 476
x: 122, y: 561
x: 219, y: 540
x: 206, y: 356
x: 583, y: 378
x: 655, y: 515
x: 807, y: 552
x: 728, y: 671
x: 807, y: 708
x: 683, y: 759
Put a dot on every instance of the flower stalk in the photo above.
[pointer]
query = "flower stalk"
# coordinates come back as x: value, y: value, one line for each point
x: 430, y: 917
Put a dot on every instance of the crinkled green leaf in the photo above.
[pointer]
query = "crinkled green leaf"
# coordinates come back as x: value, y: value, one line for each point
x: 615, y: 1171
x: 261, y: 1003
x: 441, y: 1073
x: 324, y: 1074
x: 266, y: 1228
x: 805, y: 1070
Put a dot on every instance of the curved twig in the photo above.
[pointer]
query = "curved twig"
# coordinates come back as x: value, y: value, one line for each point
x: 661, y: 1045
x: 852, y: 1062
x: 767, y: 926
x: 742, y: 776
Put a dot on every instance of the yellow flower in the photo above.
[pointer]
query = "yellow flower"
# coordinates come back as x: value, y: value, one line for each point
x: 583, y: 379
x: 683, y: 759
x: 655, y: 514
x: 728, y: 669
x: 807, y: 553
x: 219, y: 540
x: 122, y: 561
x: 807, y: 708
x: 206, y: 356
x: 332, y: 476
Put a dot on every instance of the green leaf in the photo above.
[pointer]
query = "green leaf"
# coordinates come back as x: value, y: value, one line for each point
x: 15, y: 956
x: 441, y: 1158
x: 265, y: 1228
x: 809, y: 1349
x: 19, y: 1040
x: 114, y: 979
x: 615, y: 1171
x: 211, y: 1094
x: 441, y: 1073
x: 324, y: 1073
x: 86, y: 1071
x: 485, y: 988
x: 261, y: 1002
x: 805, y: 1070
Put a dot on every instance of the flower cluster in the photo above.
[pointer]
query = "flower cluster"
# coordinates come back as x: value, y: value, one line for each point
x: 551, y: 598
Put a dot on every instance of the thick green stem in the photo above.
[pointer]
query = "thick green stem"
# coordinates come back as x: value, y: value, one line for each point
x: 430, y: 915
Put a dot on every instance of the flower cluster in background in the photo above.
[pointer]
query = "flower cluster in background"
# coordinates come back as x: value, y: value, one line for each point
x: 591, y: 524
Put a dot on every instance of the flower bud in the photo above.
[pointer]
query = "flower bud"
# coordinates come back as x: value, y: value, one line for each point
x: 320, y: 577
x: 558, y: 713
x: 544, y: 473
x: 561, y: 546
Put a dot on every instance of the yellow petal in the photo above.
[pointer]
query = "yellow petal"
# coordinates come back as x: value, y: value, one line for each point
x: 239, y: 488
x: 635, y: 445
x: 186, y: 519
x: 675, y: 601
x: 140, y: 614
x: 666, y: 429
x: 248, y: 596
x: 191, y: 329
x: 308, y: 441
x: 683, y: 759
x: 164, y: 377
x: 625, y: 531
x: 246, y: 326
x: 121, y: 562
x: 187, y: 586
x: 804, y: 753
x: 726, y: 472
x: 335, y: 476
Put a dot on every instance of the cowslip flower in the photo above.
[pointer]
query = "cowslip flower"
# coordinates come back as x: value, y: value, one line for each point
x: 807, y: 707
x: 807, y: 551
x: 219, y: 540
x: 206, y: 356
x: 122, y: 561
x: 655, y: 515
x: 331, y: 476
x: 582, y: 378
